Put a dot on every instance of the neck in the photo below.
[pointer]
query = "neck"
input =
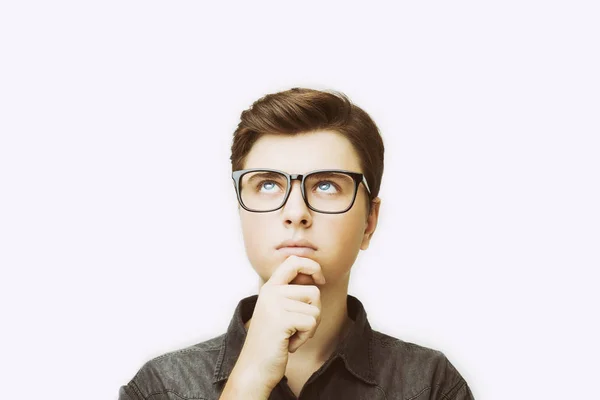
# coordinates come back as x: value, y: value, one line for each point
x: 335, y: 324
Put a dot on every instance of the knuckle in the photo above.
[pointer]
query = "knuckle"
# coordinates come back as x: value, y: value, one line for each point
x: 315, y: 291
x: 316, y: 311
x: 290, y: 330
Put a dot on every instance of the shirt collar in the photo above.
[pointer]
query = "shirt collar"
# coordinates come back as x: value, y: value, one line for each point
x: 355, y: 349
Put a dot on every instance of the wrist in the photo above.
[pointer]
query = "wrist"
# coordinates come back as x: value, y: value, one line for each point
x: 244, y: 384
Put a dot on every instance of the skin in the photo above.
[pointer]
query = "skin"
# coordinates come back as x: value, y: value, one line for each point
x: 338, y: 237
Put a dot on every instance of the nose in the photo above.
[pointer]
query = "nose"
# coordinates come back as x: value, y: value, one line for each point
x: 295, y: 210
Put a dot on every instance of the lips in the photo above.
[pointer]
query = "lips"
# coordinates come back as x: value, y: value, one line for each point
x: 299, y: 243
x: 297, y: 251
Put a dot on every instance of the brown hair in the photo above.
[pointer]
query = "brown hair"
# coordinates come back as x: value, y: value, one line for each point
x: 301, y: 110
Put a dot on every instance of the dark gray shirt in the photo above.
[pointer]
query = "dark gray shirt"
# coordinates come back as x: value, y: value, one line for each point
x: 366, y: 365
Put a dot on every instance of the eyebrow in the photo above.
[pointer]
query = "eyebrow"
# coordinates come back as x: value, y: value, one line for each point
x: 264, y: 175
x: 326, y: 174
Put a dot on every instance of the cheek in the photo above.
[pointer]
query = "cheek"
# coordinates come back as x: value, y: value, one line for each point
x: 353, y: 227
x: 256, y: 240
x: 253, y: 230
x: 350, y: 235
x: 344, y: 239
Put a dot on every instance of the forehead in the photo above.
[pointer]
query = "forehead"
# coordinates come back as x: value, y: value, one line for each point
x: 300, y: 153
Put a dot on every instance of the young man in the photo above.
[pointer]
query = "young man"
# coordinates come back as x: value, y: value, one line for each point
x: 307, y: 167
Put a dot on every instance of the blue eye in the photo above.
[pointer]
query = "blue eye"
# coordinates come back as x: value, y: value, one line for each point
x: 327, y: 187
x: 268, y: 186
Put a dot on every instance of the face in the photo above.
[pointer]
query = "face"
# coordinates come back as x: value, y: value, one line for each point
x: 337, y: 237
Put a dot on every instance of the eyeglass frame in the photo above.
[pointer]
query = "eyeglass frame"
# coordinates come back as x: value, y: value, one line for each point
x: 356, y: 176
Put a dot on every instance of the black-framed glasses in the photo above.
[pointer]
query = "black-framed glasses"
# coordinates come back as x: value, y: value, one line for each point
x: 329, y: 191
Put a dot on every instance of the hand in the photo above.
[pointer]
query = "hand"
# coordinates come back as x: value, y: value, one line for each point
x: 284, y: 318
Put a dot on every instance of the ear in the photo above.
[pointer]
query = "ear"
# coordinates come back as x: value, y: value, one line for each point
x: 371, y: 223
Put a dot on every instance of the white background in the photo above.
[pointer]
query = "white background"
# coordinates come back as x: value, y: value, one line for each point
x: 119, y: 237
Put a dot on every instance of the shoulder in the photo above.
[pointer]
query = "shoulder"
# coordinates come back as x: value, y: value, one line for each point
x: 390, y: 348
x: 185, y: 373
x: 418, y: 370
x: 406, y: 358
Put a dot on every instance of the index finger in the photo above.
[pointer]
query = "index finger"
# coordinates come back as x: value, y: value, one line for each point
x: 293, y: 265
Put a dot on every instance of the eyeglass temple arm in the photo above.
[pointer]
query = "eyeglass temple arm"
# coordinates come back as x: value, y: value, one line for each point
x: 364, y: 181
